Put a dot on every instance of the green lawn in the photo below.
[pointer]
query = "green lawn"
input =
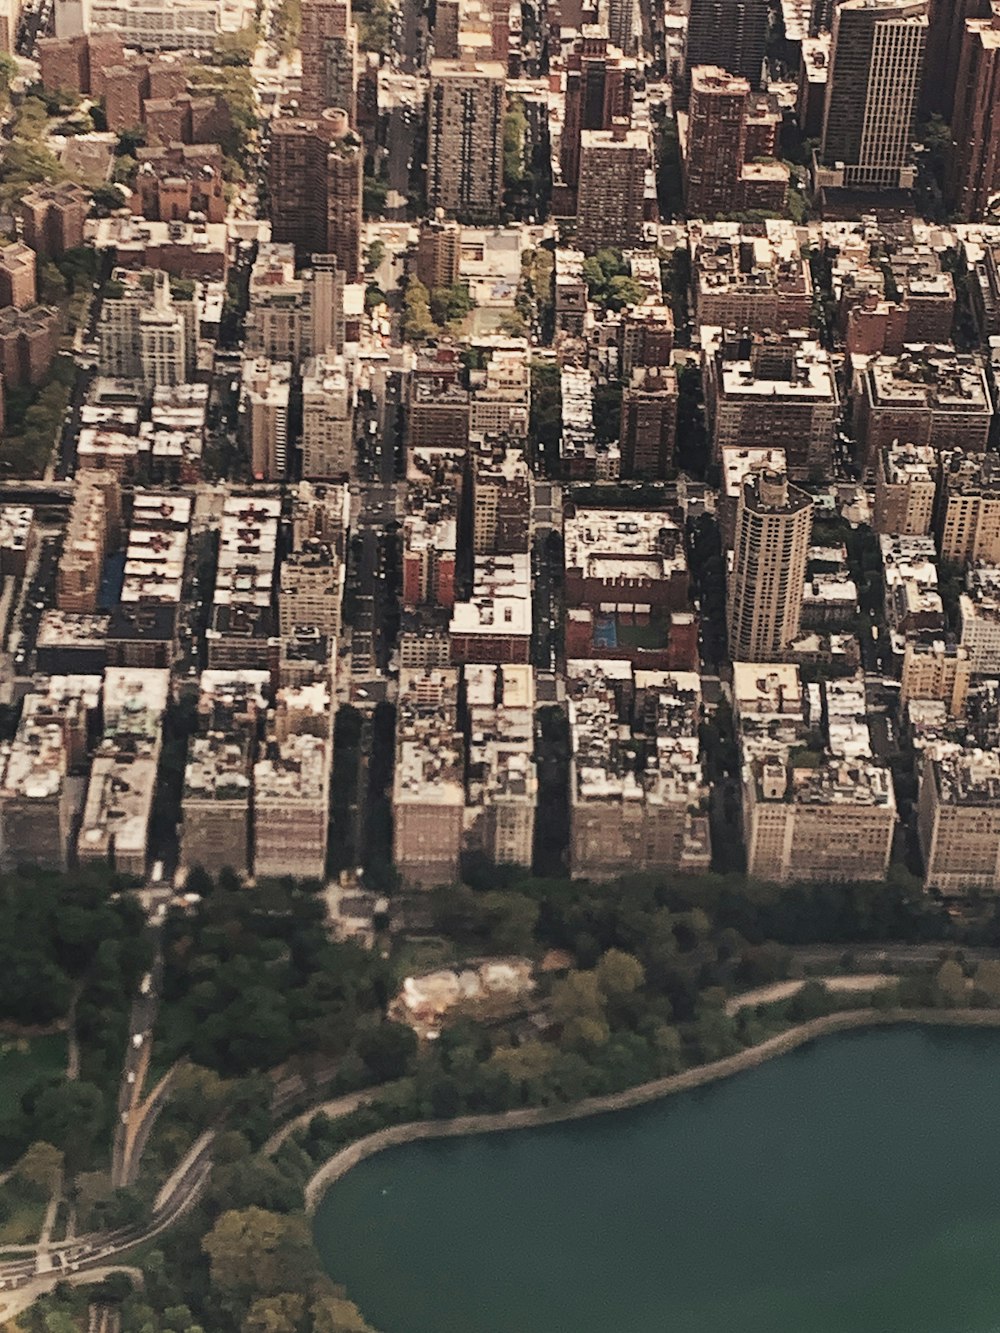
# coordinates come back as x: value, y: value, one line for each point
x: 23, y: 1062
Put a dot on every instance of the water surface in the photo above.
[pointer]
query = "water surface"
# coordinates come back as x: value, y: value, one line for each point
x: 850, y: 1187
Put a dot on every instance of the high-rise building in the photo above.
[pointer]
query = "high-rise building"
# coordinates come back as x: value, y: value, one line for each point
x: 610, y: 199
x: 773, y: 525
x: 215, y: 804
x: 329, y: 54
x: 292, y: 807
x: 726, y: 138
x: 958, y: 820
x: 17, y: 276
x: 905, y: 486
x: 147, y: 333
x: 266, y: 390
x: 501, y: 502
x: 716, y: 141
x: 729, y: 33
x: 649, y: 422
x: 311, y: 590
x: 465, y: 137
x: 294, y: 316
x: 599, y: 84
x: 974, y: 166
x: 439, y: 251
x: 315, y: 175
x: 646, y: 337
x: 876, y: 67
x: 772, y: 391
x: 946, y: 23
x: 327, y: 419
x: 967, y: 522
x: 52, y: 218
x: 621, y: 24
x: 428, y: 792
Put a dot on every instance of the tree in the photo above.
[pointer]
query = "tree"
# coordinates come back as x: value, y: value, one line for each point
x: 417, y: 322
x: 951, y: 983
x: 275, y: 1314
x: 578, y: 1005
x: 40, y: 1166
x: 988, y: 980
x: 70, y: 1116
x: 450, y: 303
x: 387, y: 1049
x: 252, y: 1250
x: 336, y: 1314
x: 715, y: 1035
x: 619, y: 973
x: 811, y: 1001
x: 374, y: 256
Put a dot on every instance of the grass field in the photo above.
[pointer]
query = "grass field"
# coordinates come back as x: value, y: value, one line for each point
x: 22, y: 1062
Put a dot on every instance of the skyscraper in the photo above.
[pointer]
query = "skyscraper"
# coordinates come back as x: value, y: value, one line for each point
x: 612, y: 187
x: 715, y: 147
x: 329, y: 53
x: 621, y: 23
x: 465, y: 137
x: 773, y: 524
x: 974, y: 168
x: 314, y: 180
x: 946, y: 20
x: 876, y: 65
x: 729, y: 33
x: 599, y: 85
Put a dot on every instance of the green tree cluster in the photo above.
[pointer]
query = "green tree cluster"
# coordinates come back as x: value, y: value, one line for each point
x: 515, y: 128
x: 252, y: 979
x: 288, y: 25
x: 375, y: 20
x: 608, y: 281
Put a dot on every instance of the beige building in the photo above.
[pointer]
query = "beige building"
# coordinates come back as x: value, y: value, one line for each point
x: 905, y: 486
x: 626, y: 816
x: 772, y: 530
x: 215, y: 804
x: 145, y: 333
x: 311, y: 590
x: 501, y: 502
x: 428, y: 793
x: 466, y: 106
x: 327, y: 418
x: 501, y: 780
x: 968, y: 517
x: 832, y: 822
x: 37, y: 804
x: 119, y: 801
x: 94, y: 529
x: 264, y: 411
x: 958, y: 820
x: 979, y: 613
x: 292, y: 808
x: 500, y: 401
x: 937, y: 671
x: 292, y: 315
x: 816, y: 805
x: 610, y: 205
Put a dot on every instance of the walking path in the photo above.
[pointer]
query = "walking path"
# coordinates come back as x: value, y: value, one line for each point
x: 784, y: 990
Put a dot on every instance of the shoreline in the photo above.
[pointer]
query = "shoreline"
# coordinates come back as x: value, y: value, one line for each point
x: 337, y: 1166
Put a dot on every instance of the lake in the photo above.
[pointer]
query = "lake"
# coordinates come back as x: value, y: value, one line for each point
x: 852, y: 1186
